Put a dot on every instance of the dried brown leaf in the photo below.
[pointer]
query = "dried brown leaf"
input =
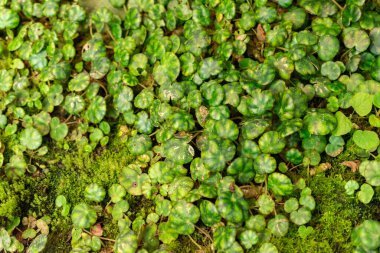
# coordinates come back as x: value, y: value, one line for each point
x: 353, y: 165
x: 260, y: 33
x: 97, y: 230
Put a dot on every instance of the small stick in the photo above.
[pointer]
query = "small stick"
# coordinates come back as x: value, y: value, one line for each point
x: 193, y: 241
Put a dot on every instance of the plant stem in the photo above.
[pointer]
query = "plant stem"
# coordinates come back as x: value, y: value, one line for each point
x: 338, y: 5
x: 193, y: 241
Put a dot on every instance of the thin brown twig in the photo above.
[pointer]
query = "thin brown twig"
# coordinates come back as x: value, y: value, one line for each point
x: 193, y: 241
x: 338, y: 5
x: 100, y: 237
x: 204, y: 232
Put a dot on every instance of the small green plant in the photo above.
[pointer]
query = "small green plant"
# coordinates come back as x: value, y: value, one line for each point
x: 224, y: 108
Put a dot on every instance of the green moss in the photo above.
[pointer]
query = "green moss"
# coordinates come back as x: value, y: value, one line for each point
x: 335, y: 216
x: 12, y: 196
x: 184, y: 244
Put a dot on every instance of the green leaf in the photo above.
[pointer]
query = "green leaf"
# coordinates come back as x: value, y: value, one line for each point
x: 9, y: 19
x: 31, y: 138
x: 304, y: 231
x: 301, y: 217
x: 268, y: 248
x: 271, y: 143
x: 209, y: 213
x: 135, y: 182
x: 126, y: 242
x: 178, y: 151
x: 5, y: 239
x: 94, y: 192
x: 367, y: 235
x: 79, y: 82
x: 371, y: 171
x: 58, y: 130
x: 180, y: 188
x: 368, y: 140
x: 60, y: 201
x: 351, y: 14
x: 356, y: 38
x: 116, y: 192
x: 362, y: 103
x: 344, y: 124
x: 376, y: 100
x: 280, y: 184
x: 366, y: 193
x: 320, y: 122
x: 96, y: 110
x: 232, y: 207
x: 325, y: 26
x: 139, y: 144
x: 291, y: 205
x: 183, y: 216
x: 248, y: 238
x: 83, y: 216
x: 119, y: 209
x: 224, y: 237
x: 168, y: 70
x: 74, y: 104
x: 38, y: 244
x: 29, y: 233
x: 266, y: 204
x: 209, y: 67
x: 279, y: 225
x: 351, y: 186
x: 264, y: 164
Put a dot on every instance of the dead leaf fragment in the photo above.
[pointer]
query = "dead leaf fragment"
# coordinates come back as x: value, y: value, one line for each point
x: 320, y: 168
x: 260, y: 33
x: 353, y: 165
x: 97, y: 230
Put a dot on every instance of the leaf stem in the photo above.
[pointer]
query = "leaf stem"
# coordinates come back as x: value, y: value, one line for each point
x: 193, y: 241
x: 100, y: 237
x: 338, y: 5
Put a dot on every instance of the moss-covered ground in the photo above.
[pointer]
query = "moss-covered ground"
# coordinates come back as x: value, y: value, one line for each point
x: 68, y: 172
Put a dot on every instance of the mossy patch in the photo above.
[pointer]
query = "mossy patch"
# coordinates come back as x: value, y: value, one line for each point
x: 335, y: 216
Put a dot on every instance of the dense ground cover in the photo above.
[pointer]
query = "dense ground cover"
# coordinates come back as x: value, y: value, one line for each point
x: 183, y: 126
